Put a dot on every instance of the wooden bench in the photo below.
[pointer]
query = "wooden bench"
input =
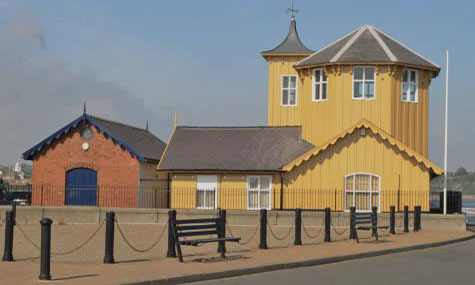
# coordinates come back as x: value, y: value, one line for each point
x: 366, y: 222
x: 183, y: 229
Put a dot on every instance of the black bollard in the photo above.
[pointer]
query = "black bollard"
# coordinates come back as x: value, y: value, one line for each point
x: 222, y: 231
x: 298, y: 227
x: 414, y: 217
x: 109, y: 248
x: 45, y: 262
x: 14, y: 212
x: 374, y: 221
x: 419, y: 217
x: 406, y: 219
x: 352, y: 223
x: 8, y: 250
x: 392, y: 220
x: 327, y: 225
x: 171, y: 239
x: 263, y: 236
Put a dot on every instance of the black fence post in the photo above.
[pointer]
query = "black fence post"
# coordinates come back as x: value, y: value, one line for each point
x: 171, y: 252
x: 45, y: 262
x: 109, y: 248
x: 374, y: 221
x: 222, y: 231
x: 14, y: 212
x: 327, y: 225
x: 392, y: 220
x: 8, y: 250
x: 298, y: 227
x: 263, y: 230
x: 406, y: 219
x: 352, y: 223
x: 414, y: 216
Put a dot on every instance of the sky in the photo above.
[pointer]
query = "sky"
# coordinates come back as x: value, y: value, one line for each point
x: 134, y: 61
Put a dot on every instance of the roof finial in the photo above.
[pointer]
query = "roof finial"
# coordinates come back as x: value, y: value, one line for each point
x: 84, y: 108
x: 146, y: 126
x: 292, y: 10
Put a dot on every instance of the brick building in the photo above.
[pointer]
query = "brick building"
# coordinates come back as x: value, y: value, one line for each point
x: 94, y: 161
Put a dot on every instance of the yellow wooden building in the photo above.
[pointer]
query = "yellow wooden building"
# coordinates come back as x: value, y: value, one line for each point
x: 348, y: 125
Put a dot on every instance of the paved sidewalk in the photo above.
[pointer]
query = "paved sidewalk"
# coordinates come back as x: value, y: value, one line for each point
x: 85, y: 265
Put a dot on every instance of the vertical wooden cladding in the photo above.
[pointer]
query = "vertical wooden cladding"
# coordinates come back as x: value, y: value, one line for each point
x: 322, y: 120
x: 356, y: 154
x: 231, y: 191
x: 279, y: 115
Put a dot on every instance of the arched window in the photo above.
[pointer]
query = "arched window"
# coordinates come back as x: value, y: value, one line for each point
x: 362, y: 191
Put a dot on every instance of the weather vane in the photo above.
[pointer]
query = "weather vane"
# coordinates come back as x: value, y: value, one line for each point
x: 292, y: 10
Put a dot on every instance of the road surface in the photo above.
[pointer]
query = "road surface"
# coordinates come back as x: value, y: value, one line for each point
x: 453, y: 265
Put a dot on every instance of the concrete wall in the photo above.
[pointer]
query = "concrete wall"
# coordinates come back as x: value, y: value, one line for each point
x: 75, y: 215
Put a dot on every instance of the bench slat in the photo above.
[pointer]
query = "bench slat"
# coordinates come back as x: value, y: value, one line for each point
x: 196, y: 221
x: 196, y: 227
x: 196, y: 233
x: 208, y: 240
x: 363, y: 222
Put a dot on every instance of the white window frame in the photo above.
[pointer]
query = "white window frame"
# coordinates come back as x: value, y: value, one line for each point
x: 289, y: 88
x: 259, y: 177
x: 403, y: 83
x: 363, y: 81
x: 320, y: 83
x: 215, y: 190
x: 370, y: 191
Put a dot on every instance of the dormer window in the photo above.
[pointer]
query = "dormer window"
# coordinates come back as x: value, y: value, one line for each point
x: 289, y: 90
x: 319, y: 85
x: 409, y: 86
x: 363, y: 83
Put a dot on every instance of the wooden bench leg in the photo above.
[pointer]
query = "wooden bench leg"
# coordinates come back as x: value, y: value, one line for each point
x: 356, y: 235
x: 222, y: 249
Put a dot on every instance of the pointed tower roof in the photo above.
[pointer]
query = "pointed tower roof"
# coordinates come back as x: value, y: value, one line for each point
x: 367, y: 45
x: 292, y: 45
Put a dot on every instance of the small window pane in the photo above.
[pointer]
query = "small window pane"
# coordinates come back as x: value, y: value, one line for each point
x: 362, y: 182
x: 317, y: 75
x: 405, y: 89
x: 317, y: 91
x: 293, y: 81
x: 358, y: 73
x: 413, y: 76
x: 375, y: 183
x: 404, y: 77
x: 264, y: 199
x: 292, y: 97
x: 358, y: 90
x: 265, y: 183
x: 324, y: 76
x: 369, y: 90
x: 324, y: 91
x: 286, y: 81
x: 349, y: 182
x: 285, y: 97
x: 369, y: 73
x: 253, y: 200
x: 253, y: 183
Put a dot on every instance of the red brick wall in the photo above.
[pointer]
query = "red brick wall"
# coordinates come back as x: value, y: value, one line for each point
x: 114, y: 166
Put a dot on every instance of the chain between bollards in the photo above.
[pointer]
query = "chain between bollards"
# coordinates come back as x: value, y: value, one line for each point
x: 8, y: 250
x: 45, y: 262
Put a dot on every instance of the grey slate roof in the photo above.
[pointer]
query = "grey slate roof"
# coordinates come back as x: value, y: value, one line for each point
x: 291, y: 44
x: 142, y: 140
x: 139, y: 142
x: 233, y: 148
x: 364, y: 45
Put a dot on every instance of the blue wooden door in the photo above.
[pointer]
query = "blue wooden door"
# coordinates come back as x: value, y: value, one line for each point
x: 81, y: 187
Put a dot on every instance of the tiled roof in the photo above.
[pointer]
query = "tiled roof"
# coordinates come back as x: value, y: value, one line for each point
x: 233, y: 148
x: 292, y: 45
x: 367, y: 45
x: 139, y: 142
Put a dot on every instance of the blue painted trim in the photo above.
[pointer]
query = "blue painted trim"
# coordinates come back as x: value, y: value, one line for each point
x: 29, y: 154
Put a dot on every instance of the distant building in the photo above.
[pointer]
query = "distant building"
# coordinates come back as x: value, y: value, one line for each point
x: 17, y: 167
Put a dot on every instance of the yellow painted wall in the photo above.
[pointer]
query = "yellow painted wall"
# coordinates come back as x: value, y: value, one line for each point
x: 232, y: 190
x: 322, y: 120
x: 355, y: 153
x: 277, y: 114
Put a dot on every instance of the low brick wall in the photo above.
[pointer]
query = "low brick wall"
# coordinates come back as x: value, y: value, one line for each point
x: 78, y: 215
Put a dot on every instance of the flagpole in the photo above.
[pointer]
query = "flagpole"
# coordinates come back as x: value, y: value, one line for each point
x: 446, y: 128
